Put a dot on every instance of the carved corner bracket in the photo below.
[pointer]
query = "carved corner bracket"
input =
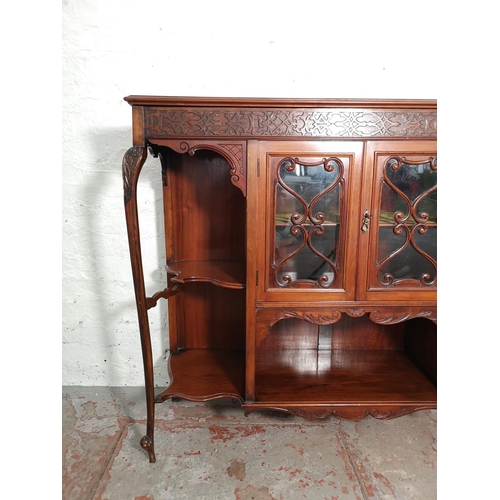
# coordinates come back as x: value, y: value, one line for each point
x: 235, y: 152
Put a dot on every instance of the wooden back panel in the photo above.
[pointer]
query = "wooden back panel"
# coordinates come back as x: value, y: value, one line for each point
x: 210, y: 212
x: 348, y: 333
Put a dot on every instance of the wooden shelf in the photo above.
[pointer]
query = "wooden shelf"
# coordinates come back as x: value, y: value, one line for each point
x: 206, y: 374
x: 340, y: 377
x: 223, y: 273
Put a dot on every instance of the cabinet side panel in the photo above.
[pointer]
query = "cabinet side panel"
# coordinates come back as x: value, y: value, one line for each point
x: 138, y: 125
x: 421, y: 345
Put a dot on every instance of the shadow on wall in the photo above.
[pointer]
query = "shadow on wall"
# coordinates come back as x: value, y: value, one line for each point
x: 111, y: 269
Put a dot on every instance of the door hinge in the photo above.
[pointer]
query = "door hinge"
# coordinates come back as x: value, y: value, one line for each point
x: 258, y: 167
x: 256, y: 277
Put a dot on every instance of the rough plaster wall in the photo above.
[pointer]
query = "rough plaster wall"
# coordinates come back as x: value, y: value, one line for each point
x: 119, y: 47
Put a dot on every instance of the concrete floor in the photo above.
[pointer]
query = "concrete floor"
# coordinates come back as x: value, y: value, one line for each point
x: 212, y: 451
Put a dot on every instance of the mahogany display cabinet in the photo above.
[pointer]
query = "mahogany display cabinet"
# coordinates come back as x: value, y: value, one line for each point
x: 301, y: 253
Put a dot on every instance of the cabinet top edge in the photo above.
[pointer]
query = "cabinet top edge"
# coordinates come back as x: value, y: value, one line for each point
x: 259, y: 102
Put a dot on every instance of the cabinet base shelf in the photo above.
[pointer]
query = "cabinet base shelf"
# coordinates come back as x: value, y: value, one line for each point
x: 206, y: 374
x: 343, y: 378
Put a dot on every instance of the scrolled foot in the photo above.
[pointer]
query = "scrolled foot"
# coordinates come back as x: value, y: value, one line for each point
x: 147, y: 444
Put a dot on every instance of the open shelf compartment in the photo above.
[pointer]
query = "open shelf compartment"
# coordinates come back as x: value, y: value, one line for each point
x: 330, y: 377
x: 206, y: 374
x: 206, y: 253
x: 353, y: 362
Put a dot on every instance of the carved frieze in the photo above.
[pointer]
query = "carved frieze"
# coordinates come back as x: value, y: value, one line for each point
x: 302, y: 122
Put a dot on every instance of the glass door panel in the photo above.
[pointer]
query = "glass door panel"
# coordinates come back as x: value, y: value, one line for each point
x: 398, y: 243
x: 310, y: 223
x: 407, y: 237
x: 307, y: 220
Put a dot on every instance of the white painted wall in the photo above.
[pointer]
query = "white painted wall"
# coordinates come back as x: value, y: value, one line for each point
x: 115, y: 48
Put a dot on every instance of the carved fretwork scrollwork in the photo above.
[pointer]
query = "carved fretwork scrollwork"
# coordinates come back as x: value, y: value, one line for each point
x: 308, y: 224
x: 391, y: 318
x: 386, y: 316
x: 274, y: 122
x: 355, y: 313
x: 312, y: 317
x: 410, y: 223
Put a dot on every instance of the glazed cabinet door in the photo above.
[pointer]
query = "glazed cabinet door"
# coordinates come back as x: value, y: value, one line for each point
x: 398, y: 225
x: 308, y: 200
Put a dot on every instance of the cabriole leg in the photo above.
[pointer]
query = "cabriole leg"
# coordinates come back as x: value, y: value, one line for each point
x: 132, y: 164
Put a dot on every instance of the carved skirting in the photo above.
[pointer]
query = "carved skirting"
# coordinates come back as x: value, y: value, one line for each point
x: 353, y: 413
x: 241, y: 122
